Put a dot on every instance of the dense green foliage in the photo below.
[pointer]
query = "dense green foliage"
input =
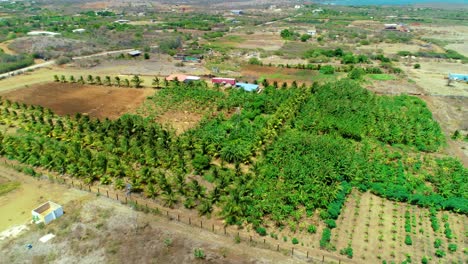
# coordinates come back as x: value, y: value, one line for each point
x: 14, y: 62
x: 305, y: 149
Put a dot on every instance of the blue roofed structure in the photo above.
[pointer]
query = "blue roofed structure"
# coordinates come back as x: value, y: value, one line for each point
x: 458, y: 77
x: 247, y: 86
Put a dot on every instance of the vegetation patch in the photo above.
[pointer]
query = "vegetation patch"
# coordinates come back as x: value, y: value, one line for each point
x: 8, y: 187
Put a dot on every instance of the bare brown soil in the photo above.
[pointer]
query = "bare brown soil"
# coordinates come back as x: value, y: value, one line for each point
x: 95, y: 101
x: 181, y: 121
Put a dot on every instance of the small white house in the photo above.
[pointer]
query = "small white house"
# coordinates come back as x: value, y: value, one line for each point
x: 47, y: 212
x: 42, y: 33
x: 79, y: 30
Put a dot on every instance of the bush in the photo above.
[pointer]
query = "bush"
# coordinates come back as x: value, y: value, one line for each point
x: 417, y: 66
x: 330, y: 223
x: 327, y: 69
x: 437, y: 243
x: 356, y: 73
x: 255, y: 61
x: 62, y: 60
x: 440, y: 253
x: 199, y: 253
x: 326, y: 237
x: 312, y: 229
x: 295, y: 241
x: 452, y: 247
x: 261, y: 231
x: 408, y: 240
x: 348, y: 251
x: 424, y: 260
x: 200, y: 162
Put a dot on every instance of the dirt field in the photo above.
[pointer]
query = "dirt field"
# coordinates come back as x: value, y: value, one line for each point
x: 96, y: 101
x: 375, y: 229
x: 181, y: 121
x: 16, y: 206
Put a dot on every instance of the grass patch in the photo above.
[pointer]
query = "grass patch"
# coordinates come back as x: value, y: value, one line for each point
x: 234, y: 38
x: 382, y: 77
x: 8, y: 187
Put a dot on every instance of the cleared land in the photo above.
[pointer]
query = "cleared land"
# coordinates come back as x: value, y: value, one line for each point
x: 95, y: 101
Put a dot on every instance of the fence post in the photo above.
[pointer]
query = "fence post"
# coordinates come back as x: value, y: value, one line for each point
x: 277, y: 247
x: 264, y: 241
x: 81, y: 186
x: 323, y: 259
x: 107, y: 191
x: 189, y: 221
x: 73, y: 184
x: 225, y: 230
x: 125, y: 199
x: 201, y: 224
x: 89, y: 188
x: 212, y: 228
x: 167, y: 213
x: 178, y: 218
x: 307, y: 254
x: 117, y: 195
x: 98, y: 191
x: 250, y: 238
x: 292, y: 251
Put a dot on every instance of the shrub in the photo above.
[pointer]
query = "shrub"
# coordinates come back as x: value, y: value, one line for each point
x: 261, y: 231
x: 440, y: 253
x: 417, y: 66
x: 437, y: 243
x: 408, y: 240
x: 452, y: 247
x: 356, y: 73
x: 424, y: 260
x: 327, y: 69
x: 62, y: 60
x: 312, y: 229
x: 326, y: 236
x: 199, y: 253
x: 348, y: 251
x: 330, y: 223
x: 295, y: 241
x: 255, y: 61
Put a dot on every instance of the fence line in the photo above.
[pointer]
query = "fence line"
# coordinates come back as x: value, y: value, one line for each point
x: 148, y: 205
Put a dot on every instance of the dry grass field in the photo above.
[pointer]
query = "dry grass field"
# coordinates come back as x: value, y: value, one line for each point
x: 95, y: 101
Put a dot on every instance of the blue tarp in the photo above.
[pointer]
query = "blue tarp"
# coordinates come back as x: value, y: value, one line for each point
x: 455, y: 76
x: 247, y: 86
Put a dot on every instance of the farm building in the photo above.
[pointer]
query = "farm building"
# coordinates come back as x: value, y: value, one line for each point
x: 247, y: 86
x: 47, y: 212
x: 42, y: 33
x: 182, y: 78
x: 237, y: 12
x: 134, y: 53
x: 122, y: 21
x: 221, y: 80
x: 391, y: 26
x: 79, y: 30
x: 458, y: 77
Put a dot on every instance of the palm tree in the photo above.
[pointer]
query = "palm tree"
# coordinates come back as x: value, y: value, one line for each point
x: 98, y: 80
x: 117, y: 80
x: 137, y: 81
x: 56, y: 78
x: 63, y: 79
x: 108, y: 81
x: 155, y: 82
x: 90, y: 79
x: 72, y: 79
x: 81, y: 80
x: 127, y: 83
x: 169, y: 198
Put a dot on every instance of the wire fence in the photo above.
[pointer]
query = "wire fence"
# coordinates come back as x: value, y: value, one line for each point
x: 238, y: 235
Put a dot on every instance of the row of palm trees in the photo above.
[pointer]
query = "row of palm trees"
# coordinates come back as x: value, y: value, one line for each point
x: 135, y: 81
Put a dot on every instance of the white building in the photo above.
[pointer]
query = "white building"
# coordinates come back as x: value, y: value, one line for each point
x: 42, y: 33
x: 47, y: 212
x: 79, y: 30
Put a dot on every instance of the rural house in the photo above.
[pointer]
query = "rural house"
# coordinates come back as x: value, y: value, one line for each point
x: 47, y: 212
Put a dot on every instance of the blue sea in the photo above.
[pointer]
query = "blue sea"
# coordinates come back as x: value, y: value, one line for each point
x: 389, y: 2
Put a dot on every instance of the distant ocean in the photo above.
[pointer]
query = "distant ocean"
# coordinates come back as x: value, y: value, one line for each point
x: 389, y: 2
